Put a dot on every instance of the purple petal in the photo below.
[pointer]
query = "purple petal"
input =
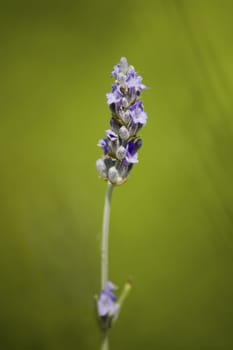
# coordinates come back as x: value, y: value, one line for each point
x: 115, y: 71
x: 137, y: 114
x: 132, y: 158
x: 104, y: 145
x: 110, y: 286
x: 111, y: 135
x: 131, y: 153
x: 106, y: 303
x: 114, y: 96
x: 135, y: 81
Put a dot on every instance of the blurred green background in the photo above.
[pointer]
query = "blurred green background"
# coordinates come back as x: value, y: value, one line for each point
x: 171, y: 224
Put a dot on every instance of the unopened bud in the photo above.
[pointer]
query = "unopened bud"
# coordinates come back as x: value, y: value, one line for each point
x: 101, y: 168
x: 131, y: 69
x: 126, y: 116
x: 125, y: 102
x: 124, y: 133
x: 113, y: 174
x: 121, y: 79
x: 120, y: 153
x: 123, y: 65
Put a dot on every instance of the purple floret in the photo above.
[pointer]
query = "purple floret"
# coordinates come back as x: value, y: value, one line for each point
x: 135, y: 81
x: 106, y: 304
x: 115, y: 96
x: 115, y: 71
x: 137, y: 113
x: 111, y: 135
x: 104, y: 145
x: 131, y: 151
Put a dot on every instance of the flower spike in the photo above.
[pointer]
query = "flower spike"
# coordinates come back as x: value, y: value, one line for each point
x: 128, y: 117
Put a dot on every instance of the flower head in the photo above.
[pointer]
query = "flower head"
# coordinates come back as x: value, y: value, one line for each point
x: 122, y: 143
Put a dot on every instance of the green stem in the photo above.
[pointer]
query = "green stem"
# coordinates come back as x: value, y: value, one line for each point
x: 124, y: 294
x: 104, y: 345
x: 104, y: 250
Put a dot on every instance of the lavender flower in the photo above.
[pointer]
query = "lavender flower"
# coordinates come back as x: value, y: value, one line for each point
x: 122, y: 143
x: 107, y: 306
x: 120, y: 149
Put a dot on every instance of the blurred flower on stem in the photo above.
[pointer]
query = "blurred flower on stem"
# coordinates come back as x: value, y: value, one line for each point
x: 108, y: 306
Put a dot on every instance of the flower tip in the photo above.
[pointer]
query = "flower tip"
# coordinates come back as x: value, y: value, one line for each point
x: 123, y: 65
x: 123, y: 60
